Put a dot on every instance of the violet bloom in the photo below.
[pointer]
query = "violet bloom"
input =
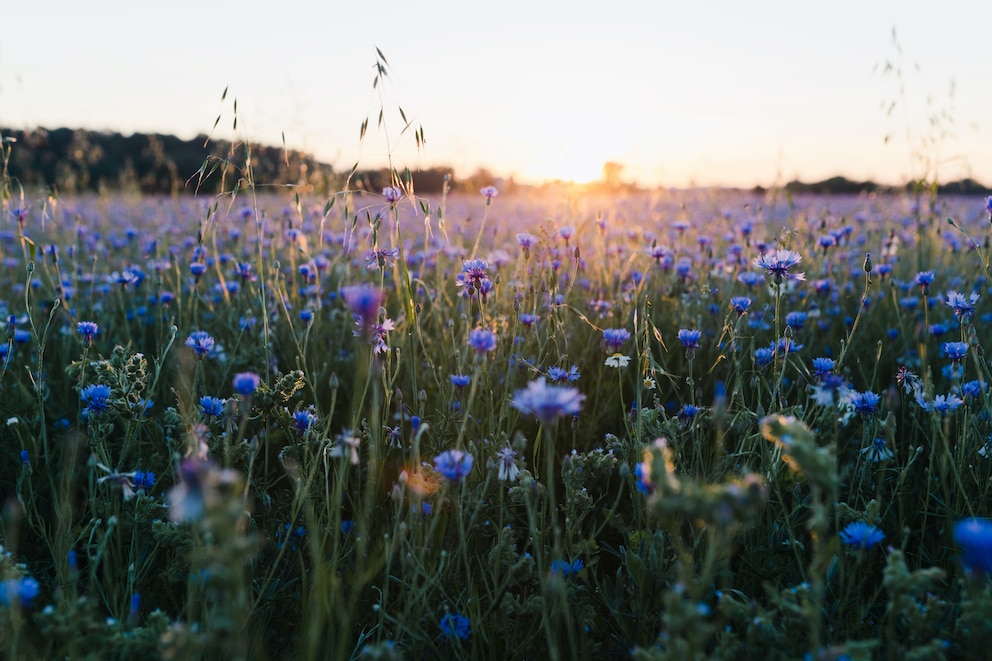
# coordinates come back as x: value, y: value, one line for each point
x: 964, y: 308
x: 482, y: 340
x: 392, y: 194
x: 96, y: 397
x: 454, y: 465
x: 547, y: 402
x: 974, y: 536
x: 861, y: 535
x: 211, y: 406
x: 201, y: 343
x: 364, y: 302
x: 245, y: 383
x: 778, y: 263
x: 489, y: 192
x: 865, y: 403
x: 614, y: 338
x: 956, y: 351
x: 88, y: 329
x: 690, y: 338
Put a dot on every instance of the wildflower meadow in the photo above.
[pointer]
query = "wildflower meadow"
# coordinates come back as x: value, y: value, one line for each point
x: 549, y: 425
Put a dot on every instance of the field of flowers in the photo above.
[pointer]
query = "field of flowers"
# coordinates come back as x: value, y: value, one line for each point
x: 664, y: 425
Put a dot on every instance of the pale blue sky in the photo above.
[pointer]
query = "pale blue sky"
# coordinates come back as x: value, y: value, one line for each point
x: 735, y: 93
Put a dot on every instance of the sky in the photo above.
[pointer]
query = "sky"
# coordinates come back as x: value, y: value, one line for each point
x: 680, y: 93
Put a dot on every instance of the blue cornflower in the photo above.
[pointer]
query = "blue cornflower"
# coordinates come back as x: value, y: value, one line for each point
x: 88, y: 329
x: 460, y: 380
x: 972, y: 388
x: 614, y: 338
x: 455, y: 465
x: 750, y: 278
x: 740, y: 304
x: 690, y: 338
x: 861, y: 535
x: 528, y: 319
x: 566, y: 568
x: 822, y: 366
x: 764, y: 356
x: 200, y: 342
x: 364, y: 302
x: 964, y: 308
x: 456, y: 626
x: 687, y: 414
x: 547, y: 402
x: 988, y: 204
x: 778, y: 263
x: 212, y: 406
x: 561, y: 375
x: 304, y: 420
x: 488, y: 192
x: 392, y: 194
x: 96, y: 396
x: 482, y: 340
x: 19, y: 592
x: 938, y: 329
x: 865, y: 403
x: 245, y: 383
x: 143, y: 480
x: 797, y: 320
x: 924, y: 279
x: 830, y: 390
x: 473, y: 277
x: 974, y: 536
x: 956, y: 351
x: 941, y: 403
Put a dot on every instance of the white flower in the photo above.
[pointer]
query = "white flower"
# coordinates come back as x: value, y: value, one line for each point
x: 617, y: 360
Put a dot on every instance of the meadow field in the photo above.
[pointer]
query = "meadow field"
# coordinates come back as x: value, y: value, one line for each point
x: 555, y: 425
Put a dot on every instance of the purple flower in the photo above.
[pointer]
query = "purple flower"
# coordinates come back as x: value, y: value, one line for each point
x: 482, y: 340
x: 822, y: 366
x: 96, y: 396
x: 19, y: 592
x: 566, y: 568
x: 956, y: 351
x: 507, y: 459
x: 861, y: 535
x: 392, y: 194
x: 304, y: 420
x: 143, y: 480
x: 245, y: 383
x: 489, y: 192
x: 547, y: 402
x: 364, y: 301
x: 88, y: 329
x: 460, y: 380
x: 211, y: 406
x: 614, y: 338
x: 740, y: 304
x: 526, y: 240
x: 924, y: 279
x: 456, y: 626
x: 974, y: 536
x: 200, y: 342
x: 455, y: 465
x: 963, y: 307
x: 474, y: 279
x: 778, y: 263
x: 689, y: 338
x: 865, y: 403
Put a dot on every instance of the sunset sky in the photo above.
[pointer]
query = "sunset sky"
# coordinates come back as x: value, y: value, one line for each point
x: 703, y: 93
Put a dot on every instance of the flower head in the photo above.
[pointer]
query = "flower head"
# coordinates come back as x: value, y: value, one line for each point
x: 19, y: 592
x: 482, y: 340
x: 861, y: 535
x: 865, y: 403
x: 507, y: 459
x: 547, y: 402
x: 956, y: 351
x: 689, y: 338
x: 778, y: 263
x: 566, y: 568
x: 88, y: 329
x: 211, y: 406
x: 456, y: 626
x: 304, y: 420
x: 974, y: 536
x: 614, y: 338
x: 201, y: 343
x: 246, y: 383
x: 489, y: 192
x: 96, y: 397
x: 617, y: 360
x: 364, y: 302
x: 964, y: 308
x: 455, y: 465
x: 392, y: 194
x: 740, y: 304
